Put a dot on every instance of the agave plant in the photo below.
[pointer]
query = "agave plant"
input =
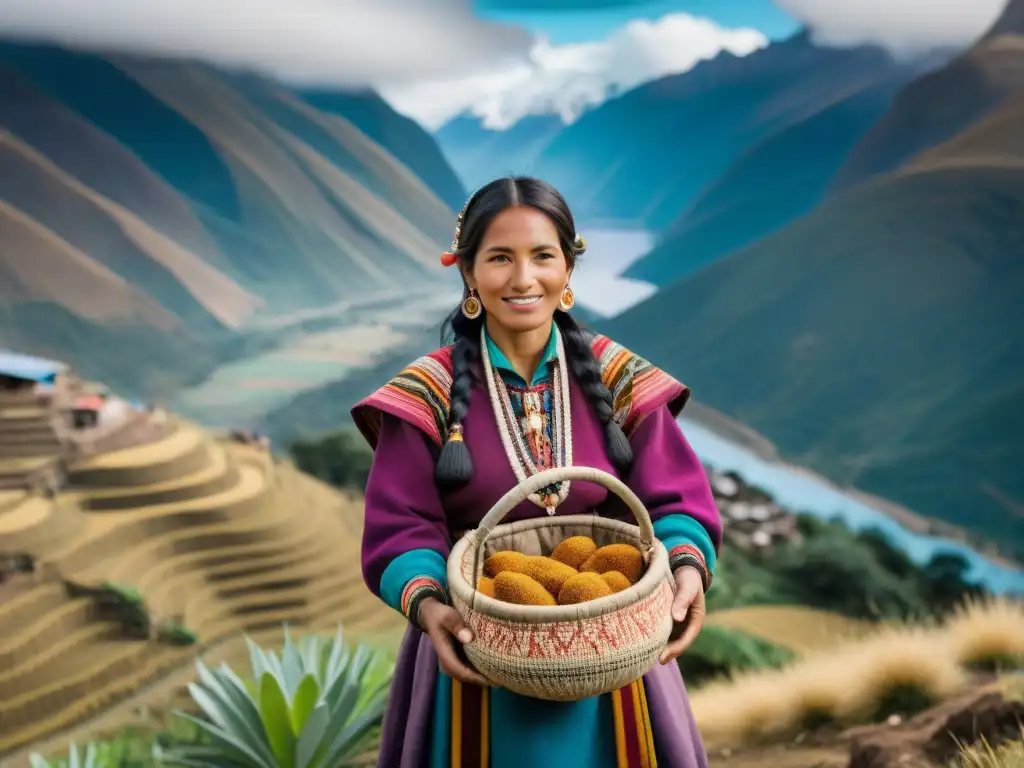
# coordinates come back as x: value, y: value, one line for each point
x: 312, y: 706
x: 87, y: 759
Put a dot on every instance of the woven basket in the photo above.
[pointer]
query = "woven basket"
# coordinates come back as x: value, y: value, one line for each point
x: 563, y: 653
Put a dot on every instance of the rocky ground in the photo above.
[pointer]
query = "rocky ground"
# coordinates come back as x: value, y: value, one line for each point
x: 992, y: 714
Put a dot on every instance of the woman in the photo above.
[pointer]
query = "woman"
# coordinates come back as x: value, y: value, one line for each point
x: 446, y: 449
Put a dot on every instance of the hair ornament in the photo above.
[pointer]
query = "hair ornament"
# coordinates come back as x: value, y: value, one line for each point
x: 450, y: 257
x: 580, y: 245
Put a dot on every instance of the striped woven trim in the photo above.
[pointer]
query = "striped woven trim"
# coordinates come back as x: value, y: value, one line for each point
x: 421, y: 585
x: 634, y: 737
x: 688, y: 554
x: 420, y: 395
x: 470, y: 737
x: 638, y: 388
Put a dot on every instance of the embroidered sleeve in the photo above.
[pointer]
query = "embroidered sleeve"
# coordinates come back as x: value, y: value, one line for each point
x: 419, y: 395
x: 638, y: 388
x: 669, y: 479
x: 405, y: 533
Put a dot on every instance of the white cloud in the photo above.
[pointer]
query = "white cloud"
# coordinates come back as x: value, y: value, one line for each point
x: 566, y: 78
x: 905, y: 27
x: 324, y: 42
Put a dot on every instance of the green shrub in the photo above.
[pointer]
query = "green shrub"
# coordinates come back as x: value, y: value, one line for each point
x: 132, y: 747
x: 722, y: 651
x: 174, y: 633
x: 314, y: 705
x: 341, y: 458
x: 128, y: 606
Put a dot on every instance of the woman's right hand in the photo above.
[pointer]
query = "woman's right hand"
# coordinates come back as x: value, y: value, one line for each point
x: 442, y: 623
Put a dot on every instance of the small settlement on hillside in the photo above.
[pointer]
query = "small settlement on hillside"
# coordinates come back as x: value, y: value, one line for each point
x: 50, y: 418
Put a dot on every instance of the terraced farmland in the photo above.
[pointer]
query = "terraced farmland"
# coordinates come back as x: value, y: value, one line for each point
x: 215, y: 535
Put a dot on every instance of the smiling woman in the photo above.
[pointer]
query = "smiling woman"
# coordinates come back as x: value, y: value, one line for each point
x: 521, y: 388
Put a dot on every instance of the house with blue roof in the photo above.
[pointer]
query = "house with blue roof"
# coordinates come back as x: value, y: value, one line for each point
x: 18, y: 370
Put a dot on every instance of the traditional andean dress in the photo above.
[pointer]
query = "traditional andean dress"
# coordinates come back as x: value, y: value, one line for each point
x: 435, y: 722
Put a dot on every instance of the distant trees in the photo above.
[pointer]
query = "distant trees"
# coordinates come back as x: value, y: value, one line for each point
x: 340, y: 458
x: 860, y: 574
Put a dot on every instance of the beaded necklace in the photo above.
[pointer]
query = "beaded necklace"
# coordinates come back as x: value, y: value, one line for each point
x: 519, y: 434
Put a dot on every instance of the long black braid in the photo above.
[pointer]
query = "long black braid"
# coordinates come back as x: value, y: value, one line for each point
x: 584, y: 367
x: 454, y: 464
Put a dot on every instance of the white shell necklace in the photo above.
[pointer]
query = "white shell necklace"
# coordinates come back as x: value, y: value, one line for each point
x: 516, y: 450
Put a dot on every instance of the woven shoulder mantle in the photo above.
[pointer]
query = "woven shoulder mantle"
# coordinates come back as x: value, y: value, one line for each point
x: 420, y: 393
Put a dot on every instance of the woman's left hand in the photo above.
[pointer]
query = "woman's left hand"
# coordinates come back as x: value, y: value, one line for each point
x: 687, y: 609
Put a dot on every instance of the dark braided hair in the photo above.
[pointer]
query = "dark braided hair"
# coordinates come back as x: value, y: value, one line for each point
x: 454, y: 464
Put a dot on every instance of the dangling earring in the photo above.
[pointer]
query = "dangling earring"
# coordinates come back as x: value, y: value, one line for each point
x: 567, y: 300
x: 471, y: 306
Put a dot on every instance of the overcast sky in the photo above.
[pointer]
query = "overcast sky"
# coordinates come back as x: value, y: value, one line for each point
x: 435, y: 58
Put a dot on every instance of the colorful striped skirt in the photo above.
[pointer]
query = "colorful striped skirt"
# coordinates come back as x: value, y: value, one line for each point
x: 435, y: 722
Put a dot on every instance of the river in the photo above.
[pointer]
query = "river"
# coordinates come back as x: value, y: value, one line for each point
x: 609, y: 253
x: 801, y: 491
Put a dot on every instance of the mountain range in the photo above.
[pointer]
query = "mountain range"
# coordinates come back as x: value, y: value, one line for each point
x: 144, y: 200
x: 671, y: 153
x: 479, y: 154
x: 838, y: 255
x: 877, y: 339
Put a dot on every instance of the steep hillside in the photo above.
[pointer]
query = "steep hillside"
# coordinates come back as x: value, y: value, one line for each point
x: 399, y: 135
x: 996, y: 140
x: 874, y: 340
x: 938, y: 106
x: 773, y: 182
x: 1010, y: 21
x: 642, y: 158
x: 219, y: 199
x: 37, y: 265
x: 479, y: 154
x: 881, y: 329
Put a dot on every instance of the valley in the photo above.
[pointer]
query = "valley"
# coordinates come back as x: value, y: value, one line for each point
x: 823, y: 242
x: 311, y: 349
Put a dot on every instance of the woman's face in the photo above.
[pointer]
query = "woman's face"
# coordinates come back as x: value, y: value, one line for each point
x: 520, y: 270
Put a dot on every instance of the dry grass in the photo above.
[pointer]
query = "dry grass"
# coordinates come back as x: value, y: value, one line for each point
x: 801, y: 630
x: 1010, y: 754
x: 894, y: 670
x: 987, y: 635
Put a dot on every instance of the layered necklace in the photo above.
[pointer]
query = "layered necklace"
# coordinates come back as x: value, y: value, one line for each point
x: 541, y: 437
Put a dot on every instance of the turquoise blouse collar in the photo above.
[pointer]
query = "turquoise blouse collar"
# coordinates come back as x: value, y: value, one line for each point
x: 509, y: 374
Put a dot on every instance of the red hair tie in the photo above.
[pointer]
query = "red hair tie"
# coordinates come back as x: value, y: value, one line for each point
x: 448, y: 259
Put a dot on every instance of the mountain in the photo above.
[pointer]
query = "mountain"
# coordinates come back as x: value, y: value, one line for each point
x: 399, y: 135
x: 479, y: 154
x: 146, y: 198
x: 641, y: 159
x: 877, y: 339
x: 774, y: 181
x: 939, y: 106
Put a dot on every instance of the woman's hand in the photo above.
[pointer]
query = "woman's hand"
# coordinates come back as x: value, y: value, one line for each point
x: 687, y: 609
x: 442, y: 623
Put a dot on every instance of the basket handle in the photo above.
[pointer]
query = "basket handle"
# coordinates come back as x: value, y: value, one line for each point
x: 517, y: 495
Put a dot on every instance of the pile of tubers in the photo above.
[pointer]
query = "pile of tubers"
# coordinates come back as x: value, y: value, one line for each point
x: 577, y: 571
